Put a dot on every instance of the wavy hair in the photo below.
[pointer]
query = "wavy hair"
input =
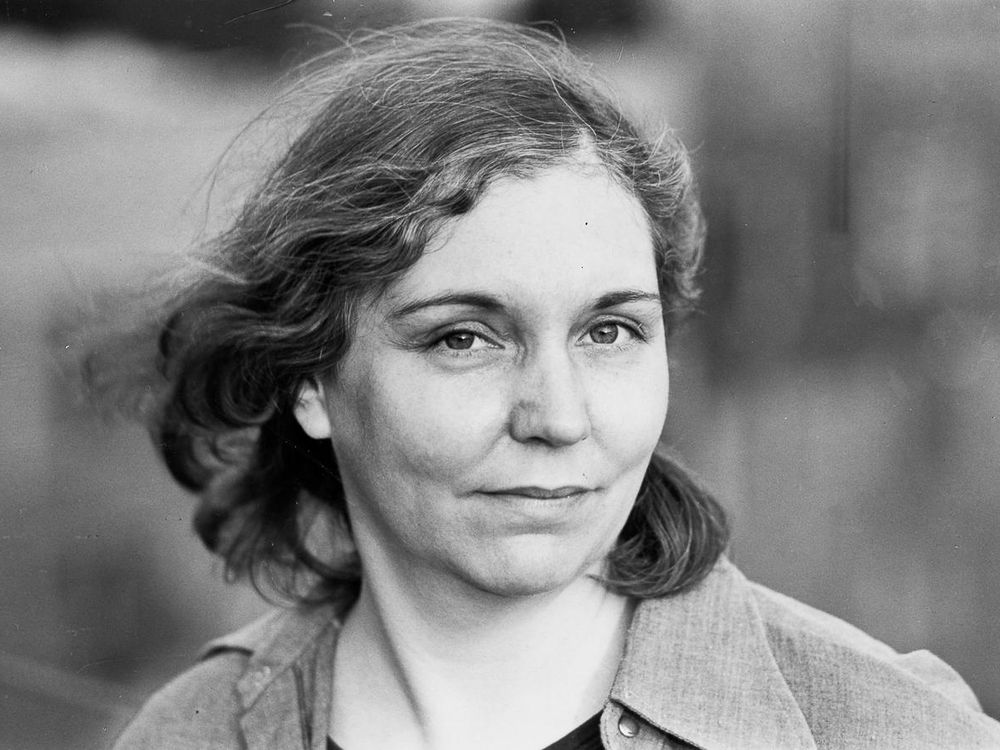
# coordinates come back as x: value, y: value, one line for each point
x: 410, y: 125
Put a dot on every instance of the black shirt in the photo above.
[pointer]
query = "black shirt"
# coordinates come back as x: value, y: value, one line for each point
x: 587, y: 736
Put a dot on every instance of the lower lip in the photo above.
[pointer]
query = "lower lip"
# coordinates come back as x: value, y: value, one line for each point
x: 535, y: 506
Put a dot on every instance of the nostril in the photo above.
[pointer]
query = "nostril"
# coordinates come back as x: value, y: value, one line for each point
x: 550, y: 423
x: 551, y: 405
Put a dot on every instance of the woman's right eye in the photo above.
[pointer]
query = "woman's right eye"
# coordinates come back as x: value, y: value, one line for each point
x: 462, y: 341
x: 459, y: 340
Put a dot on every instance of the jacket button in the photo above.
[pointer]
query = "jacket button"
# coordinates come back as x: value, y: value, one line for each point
x: 261, y: 675
x: 628, y: 725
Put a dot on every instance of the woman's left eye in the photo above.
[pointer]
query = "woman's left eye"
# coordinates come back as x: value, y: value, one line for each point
x: 610, y: 333
x: 605, y: 333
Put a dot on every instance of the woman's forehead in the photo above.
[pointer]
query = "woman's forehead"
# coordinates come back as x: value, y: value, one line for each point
x: 567, y: 228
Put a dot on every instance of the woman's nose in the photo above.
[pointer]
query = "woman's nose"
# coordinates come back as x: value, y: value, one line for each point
x: 550, y: 402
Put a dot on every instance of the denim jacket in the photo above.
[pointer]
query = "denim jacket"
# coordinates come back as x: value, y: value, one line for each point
x: 727, y: 664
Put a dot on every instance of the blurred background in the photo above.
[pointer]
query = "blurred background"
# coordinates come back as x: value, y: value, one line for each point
x: 840, y: 389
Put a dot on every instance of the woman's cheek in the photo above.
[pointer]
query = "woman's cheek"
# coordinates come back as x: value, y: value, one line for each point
x: 445, y: 428
x: 629, y: 405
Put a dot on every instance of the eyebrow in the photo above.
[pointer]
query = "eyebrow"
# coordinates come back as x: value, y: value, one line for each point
x: 491, y: 303
x: 624, y: 296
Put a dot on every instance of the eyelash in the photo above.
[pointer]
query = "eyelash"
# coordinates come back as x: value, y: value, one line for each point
x: 635, y: 330
x: 438, y: 344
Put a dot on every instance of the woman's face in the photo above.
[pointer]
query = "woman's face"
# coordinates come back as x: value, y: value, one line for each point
x: 497, y: 409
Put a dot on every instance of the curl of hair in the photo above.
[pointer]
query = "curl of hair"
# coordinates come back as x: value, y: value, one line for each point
x: 411, y: 126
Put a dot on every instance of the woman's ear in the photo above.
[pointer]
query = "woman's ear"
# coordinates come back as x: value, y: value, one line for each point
x: 310, y: 410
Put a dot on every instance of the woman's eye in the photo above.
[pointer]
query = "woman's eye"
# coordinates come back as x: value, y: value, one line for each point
x: 615, y: 333
x: 459, y: 340
x: 605, y: 333
x: 464, y: 341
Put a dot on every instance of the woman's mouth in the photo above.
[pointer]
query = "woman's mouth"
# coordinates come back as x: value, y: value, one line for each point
x: 540, y: 493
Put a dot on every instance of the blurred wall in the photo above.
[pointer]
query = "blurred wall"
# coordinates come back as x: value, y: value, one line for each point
x: 840, y: 390
x: 105, y: 144
x: 846, y: 368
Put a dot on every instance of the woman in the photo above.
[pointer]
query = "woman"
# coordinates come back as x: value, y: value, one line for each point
x: 420, y: 388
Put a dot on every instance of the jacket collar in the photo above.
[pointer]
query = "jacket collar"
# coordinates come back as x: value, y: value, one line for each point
x: 698, y: 666
x: 285, y: 690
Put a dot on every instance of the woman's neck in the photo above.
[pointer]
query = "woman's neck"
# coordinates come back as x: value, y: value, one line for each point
x: 440, y: 667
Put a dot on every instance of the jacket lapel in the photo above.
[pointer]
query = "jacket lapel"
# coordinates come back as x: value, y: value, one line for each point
x: 273, y: 721
x: 698, y: 666
x: 285, y: 691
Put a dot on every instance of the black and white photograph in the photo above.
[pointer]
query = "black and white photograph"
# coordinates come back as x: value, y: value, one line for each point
x: 499, y: 374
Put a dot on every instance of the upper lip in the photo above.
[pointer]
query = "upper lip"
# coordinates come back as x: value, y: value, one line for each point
x: 540, y: 493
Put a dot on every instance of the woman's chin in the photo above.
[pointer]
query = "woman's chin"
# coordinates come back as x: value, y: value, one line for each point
x: 527, y: 573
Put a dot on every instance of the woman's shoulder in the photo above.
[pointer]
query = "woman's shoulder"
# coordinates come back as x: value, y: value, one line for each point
x: 814, y: 648
x: 779, y: 673
x: 203, y: 707
x: 198, y: 709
